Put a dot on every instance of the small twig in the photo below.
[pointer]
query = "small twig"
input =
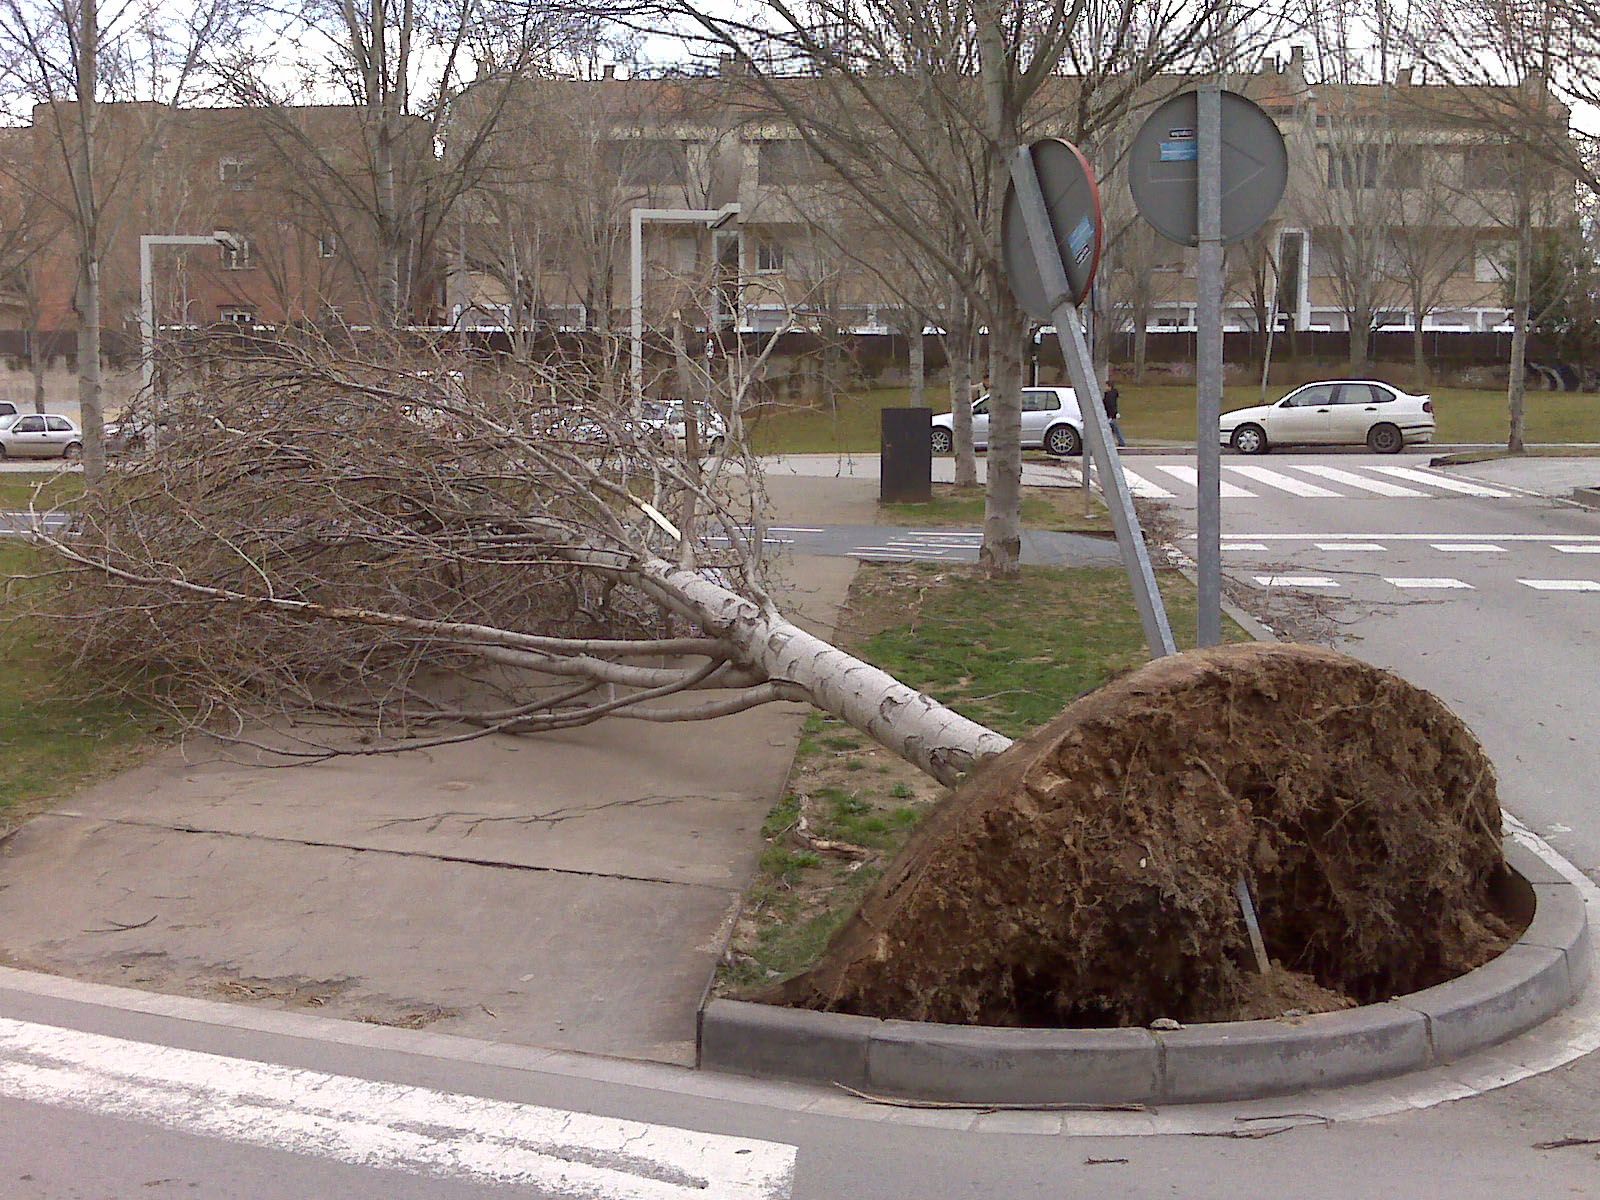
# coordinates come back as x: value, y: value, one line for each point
x: 1563, y: 1143
x: 1100, y: 1162
x: 119, y: 927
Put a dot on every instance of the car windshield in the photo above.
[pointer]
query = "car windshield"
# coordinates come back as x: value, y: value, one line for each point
x: 10, y: 419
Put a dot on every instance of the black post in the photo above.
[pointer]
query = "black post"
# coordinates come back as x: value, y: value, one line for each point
x: 906, y: 472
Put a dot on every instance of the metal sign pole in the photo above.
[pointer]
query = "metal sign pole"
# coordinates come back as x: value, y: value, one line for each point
x: 1080, y: 370
x: 1208, y: 363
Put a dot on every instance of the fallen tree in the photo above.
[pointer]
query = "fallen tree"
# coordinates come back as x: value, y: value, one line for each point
x: 429, y: 550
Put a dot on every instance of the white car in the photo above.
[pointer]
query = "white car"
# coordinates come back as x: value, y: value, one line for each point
x: 1343, y: 412
x: 666, y: 420
x: 34, y: 436
x: 1050, y: 418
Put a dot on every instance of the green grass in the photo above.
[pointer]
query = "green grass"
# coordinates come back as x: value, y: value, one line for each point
x: 1165, y: 413
x: 1011, y: 655
x: 1059, y: 509
x: 17, y: 490
x: 51, y: 740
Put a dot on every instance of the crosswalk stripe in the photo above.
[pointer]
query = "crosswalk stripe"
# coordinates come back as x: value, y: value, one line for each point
x: 1561, y: 585
x: 1143, y: 488
x: 1421, y: 584
x: 1302, y: 581
x: 1287, y: 483
x: 1257, y: 546
x: 1469, y: 548
x: 1190, y: 476
x: 1350, y: 546
x: 1594, y: 549
x: 385, y: 1126
x: 1444, y: 482
x: 1378, y: 487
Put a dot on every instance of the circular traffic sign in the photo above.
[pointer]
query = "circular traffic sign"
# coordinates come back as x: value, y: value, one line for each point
x: 1163, y: 169
x: 1072, y: 199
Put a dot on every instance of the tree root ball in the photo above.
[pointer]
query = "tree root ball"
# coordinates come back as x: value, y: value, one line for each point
x: 1087, y: 876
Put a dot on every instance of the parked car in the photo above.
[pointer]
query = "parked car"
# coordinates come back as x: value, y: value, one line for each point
x: 8, y: 409
x: 666, y: 420
x: 35, y: 436
x: 1050, y: 418
x: 1341, y: 412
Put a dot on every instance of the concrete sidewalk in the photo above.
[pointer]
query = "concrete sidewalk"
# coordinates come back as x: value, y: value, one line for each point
x: 568, y: 891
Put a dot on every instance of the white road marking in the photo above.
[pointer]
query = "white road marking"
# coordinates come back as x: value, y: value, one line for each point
x: 1257, y: 546
x: 921, y: 547
x: 1561, y: 585
x: 385, y: 1125
x: 1350, y: 546
x: 1423, y: 537
x: 1143, y: 488
x: 1469, y: 548
x: 795, y: 529
x: 1303, y: 581
x: 1364, y: 482
x: 1420, y: 584
x: 1445, y: 482
x: 1287, y: 483
x: 1190, y: 476
x: 945, y: 533
x: 1591, y: 549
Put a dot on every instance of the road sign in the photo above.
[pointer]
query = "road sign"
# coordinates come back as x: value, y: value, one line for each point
x: 1072, y: 199
x: 1164, y: 165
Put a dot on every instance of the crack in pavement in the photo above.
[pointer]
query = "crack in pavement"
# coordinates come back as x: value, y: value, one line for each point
x: 471, y: 820
x: 463, y: 859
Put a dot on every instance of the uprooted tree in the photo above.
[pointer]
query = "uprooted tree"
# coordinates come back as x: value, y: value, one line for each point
x: 435, y: 549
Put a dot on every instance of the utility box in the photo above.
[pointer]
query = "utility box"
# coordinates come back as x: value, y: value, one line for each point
x: 906, y: 472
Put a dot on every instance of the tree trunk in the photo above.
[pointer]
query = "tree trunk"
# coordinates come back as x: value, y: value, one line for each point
x: 90, y: 413
x: 918, y: 364
x: 1360, y: 336
x: 1517, y: 388
x: 958, y: 346
x: 1419, y: 360
x: 1001, y: 551
x: 36, y: 366
x: 1141, y: 344
x: 918, y: 728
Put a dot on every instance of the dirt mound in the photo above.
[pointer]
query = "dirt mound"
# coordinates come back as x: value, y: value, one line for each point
x: 1086, y: 877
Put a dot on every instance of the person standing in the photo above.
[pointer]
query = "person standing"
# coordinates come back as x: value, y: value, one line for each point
x: 1110, y: 398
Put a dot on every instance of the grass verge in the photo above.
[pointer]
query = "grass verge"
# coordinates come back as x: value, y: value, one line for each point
x: 1008, y: 654
x: 1467, y: 457
x: 1058, y: 509
x: 52, y: 740
x: 42, y: 489
x: 1156, y: 413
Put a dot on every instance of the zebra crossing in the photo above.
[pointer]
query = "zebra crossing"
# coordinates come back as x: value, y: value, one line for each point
x: 1315, y: 481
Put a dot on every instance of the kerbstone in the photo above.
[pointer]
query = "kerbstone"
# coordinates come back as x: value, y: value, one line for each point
x: 789, y: 1043
x: 1013, y: 1066
x: 1529, y: 865
x: 1499, y: 1000
x: 1561, y: 923
x: 1245, y: 1059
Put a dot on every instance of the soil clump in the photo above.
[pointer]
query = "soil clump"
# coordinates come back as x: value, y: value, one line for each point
x: 1086, y: 877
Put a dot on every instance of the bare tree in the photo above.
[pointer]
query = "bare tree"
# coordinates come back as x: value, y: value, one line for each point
x: 930, y: 101
x: 65, y: 59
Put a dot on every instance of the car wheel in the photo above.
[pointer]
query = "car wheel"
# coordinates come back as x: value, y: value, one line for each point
x: 1385, y: 439
x: 943, y: 441
x: 1250, y: 439
x: 73, y: 452
x: 1062, y: 441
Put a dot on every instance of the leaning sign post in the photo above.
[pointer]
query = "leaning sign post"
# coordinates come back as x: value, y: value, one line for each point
x: 1206, y: 169
x: 1053, y: 228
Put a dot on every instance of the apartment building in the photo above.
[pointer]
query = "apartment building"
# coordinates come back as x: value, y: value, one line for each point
x: 290, y: 190
x: 1399, y: 201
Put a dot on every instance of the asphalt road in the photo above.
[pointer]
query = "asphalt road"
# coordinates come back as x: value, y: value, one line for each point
x: 180, y: 1097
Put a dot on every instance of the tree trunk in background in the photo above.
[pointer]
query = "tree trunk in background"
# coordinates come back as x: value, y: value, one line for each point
x: 1141, y: 345
x: 958, y: 347
x: 1419, y: 360
x: 1360, y: 337
x: 1001, y: 551
x: 918, y: 365
x: 1517, y: 388
x: 36, y: 366
x: 90, y: 414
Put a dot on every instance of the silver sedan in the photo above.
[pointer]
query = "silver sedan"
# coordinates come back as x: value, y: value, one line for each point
x: 32, y: 435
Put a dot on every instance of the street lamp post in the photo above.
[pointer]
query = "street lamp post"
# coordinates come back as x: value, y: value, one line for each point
x: 147, y: 300
x: 710, y: 218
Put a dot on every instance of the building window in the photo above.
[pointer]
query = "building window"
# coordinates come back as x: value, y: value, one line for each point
x: 327, y: 245
x: 786, y: 162
x: 769, y: 255
x: 237, y: 254
x: 648, y: 161
x: 237, y: 173
x: 1353, y: 167
x: 239, y: 316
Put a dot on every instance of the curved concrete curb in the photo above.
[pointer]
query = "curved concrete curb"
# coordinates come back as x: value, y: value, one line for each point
x: 1543, y: 972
